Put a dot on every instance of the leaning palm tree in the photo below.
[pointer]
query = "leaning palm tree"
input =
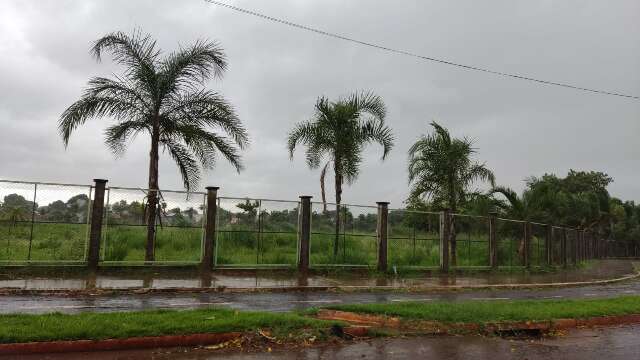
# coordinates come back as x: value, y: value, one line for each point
x: 163, y: 97
x: 339, y: 131
x: 440, y: 168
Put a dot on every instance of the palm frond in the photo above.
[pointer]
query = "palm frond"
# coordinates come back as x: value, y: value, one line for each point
x: 304, y: 133
x: 93, y: 107
x: 376, y: 131
x: 137, y: 53
x: 368, y: 102
x: 192, y: 66
x: 187, y: 165
x: 116, y: 136
x: 206, y: 108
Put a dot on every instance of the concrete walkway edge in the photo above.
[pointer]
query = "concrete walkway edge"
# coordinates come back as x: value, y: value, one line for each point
x: 350, y: 288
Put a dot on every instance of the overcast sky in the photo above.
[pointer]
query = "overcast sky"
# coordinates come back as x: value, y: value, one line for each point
x: 276, y: 73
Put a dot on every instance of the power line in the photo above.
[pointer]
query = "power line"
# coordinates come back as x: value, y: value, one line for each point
x: 408, y: 53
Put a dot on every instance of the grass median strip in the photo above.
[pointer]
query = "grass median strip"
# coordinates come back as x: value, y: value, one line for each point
x: 499, y: 310
x: 20, y: 328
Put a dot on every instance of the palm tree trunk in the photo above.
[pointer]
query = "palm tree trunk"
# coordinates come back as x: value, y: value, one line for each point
x: 323, y: 174
x: 338, y: 201
x: 324, y: 197
x: 152, y: 197
x: 452, y: 233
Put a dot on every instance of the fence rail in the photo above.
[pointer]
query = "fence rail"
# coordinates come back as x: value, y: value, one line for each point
x: 55, y: 223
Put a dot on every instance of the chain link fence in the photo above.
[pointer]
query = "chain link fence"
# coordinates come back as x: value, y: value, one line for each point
x: 43, y: 222
x: 414, y: 238
x: 352, y: 242
x: 557, y: 238
x: 256, y: 232
x: 49, y: 223
x: 510, y: 242
x: 471, y: 234
x: 178, y: 226
x: 537, y: 247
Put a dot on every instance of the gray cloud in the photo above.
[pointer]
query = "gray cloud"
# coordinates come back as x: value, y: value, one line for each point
x: 276, y: 73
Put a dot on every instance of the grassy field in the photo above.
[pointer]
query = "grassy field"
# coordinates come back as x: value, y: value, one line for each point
x: 491, y: 311
x: 95, y: 326
x: 53, y: 242
x: 241, y: 245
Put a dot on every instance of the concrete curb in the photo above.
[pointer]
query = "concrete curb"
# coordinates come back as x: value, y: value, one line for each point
x: 64, y: 346
x: 351, y: 288
x: 117, y: 344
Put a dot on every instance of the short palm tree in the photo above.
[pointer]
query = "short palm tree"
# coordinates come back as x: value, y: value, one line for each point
x: 163, y: 97
x: 339, y: 131
x: 517, y: 208
x: 440, y: 168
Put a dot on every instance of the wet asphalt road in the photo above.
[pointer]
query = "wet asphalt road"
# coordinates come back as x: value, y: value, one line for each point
x: 585, y: 344
x: 287, y: 301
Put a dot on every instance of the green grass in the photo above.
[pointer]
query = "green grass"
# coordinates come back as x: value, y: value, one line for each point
x: 95, y: 326
x: 239, y: 245
x: 127, y: 243
x: 54, y: 242
x: 491, y: 311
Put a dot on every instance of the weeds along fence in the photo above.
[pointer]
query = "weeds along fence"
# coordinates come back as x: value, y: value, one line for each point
x: 67, y: 224
x: 353, y: 241
x: 256, y: 232
x: 414, y: 238
x: 179, y: 226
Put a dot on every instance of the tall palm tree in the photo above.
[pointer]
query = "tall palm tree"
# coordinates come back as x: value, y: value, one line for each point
x: 440, y: 167
x: 339, y: 131
x: 163, y: 97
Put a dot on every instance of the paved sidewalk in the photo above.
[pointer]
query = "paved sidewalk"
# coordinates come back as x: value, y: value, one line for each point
x: 263, y: 279
x: 292, y: 300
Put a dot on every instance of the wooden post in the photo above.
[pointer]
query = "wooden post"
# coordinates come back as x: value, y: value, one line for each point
x: 304, y: 233
x: 382, y: 233
x: 208, y: 258
x: 445, y: 231
x: 95, y: 234
x: 493, y: 240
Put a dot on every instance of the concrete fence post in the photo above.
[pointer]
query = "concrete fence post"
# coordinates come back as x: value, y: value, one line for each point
x: 383, y: 234
x: 97, y: 214
x: 527, y: 245
x: 493, y: 240
x: 304, y: 233
x: 445, y: 237
x: 208, y: 257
